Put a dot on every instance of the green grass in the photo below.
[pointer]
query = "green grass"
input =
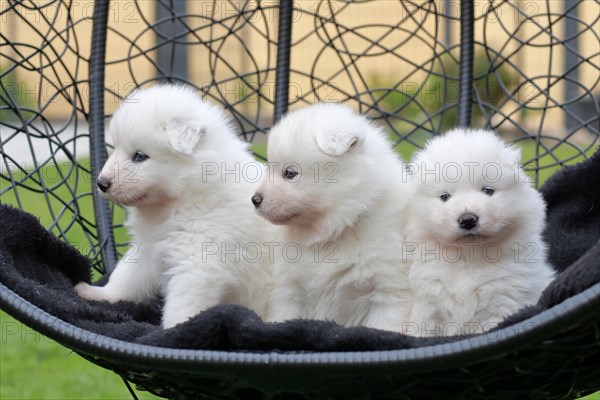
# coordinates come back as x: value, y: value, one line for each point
x: 32, y: 366
x: 547, y: 159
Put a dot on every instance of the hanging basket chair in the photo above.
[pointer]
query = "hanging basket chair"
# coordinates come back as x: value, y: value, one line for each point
x: 546, y: 351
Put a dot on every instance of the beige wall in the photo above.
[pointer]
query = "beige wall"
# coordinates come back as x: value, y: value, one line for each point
x: 415, y: 34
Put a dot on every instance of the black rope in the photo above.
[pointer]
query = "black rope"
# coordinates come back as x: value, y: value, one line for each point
x: 282, y: 72
x: 98, y: 154
x: 465, y: 89
x: 130, y: 389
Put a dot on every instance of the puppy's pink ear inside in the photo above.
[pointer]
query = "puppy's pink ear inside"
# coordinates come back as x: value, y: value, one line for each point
x: 337, y: 143
x: 183, y: 135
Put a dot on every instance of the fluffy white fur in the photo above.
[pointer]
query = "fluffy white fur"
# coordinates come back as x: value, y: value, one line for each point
x: 468, y: 280
x: 340, y: 214
x: 189, y: 220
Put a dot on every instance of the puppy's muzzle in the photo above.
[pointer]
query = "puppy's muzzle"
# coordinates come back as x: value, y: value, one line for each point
x: 257, y: 199
x: 103, y: 184
x: 468, y: 221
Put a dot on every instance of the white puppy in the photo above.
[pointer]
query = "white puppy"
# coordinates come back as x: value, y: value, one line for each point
x: 474, y: 233
x: 176, y: 166
x: 335, y: 184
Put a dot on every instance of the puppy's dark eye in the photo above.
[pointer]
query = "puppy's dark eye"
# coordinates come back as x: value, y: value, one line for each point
x: 139, y: 157
x: 289, y: 174
x: 445, y: 196
x: 487, y: 190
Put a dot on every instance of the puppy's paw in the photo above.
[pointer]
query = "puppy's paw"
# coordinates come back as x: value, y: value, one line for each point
x: 169, y: 320
x: 89, y: 292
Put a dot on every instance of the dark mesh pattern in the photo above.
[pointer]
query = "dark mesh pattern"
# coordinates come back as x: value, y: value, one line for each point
x: 536, y: 79
x: 43, y: 72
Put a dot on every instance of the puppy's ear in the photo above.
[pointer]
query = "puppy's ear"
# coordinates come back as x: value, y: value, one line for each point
x: 336, y: 143
x: 512, y: 155
x: 183, y: 135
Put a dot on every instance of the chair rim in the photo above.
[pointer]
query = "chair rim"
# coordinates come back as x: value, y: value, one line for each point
x: 554, y: 320
x: 546, y: 324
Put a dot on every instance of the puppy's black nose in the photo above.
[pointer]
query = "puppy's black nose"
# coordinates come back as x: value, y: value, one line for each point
x: 103, y: 184
x: 257, y: 199
x: 468, y: 221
